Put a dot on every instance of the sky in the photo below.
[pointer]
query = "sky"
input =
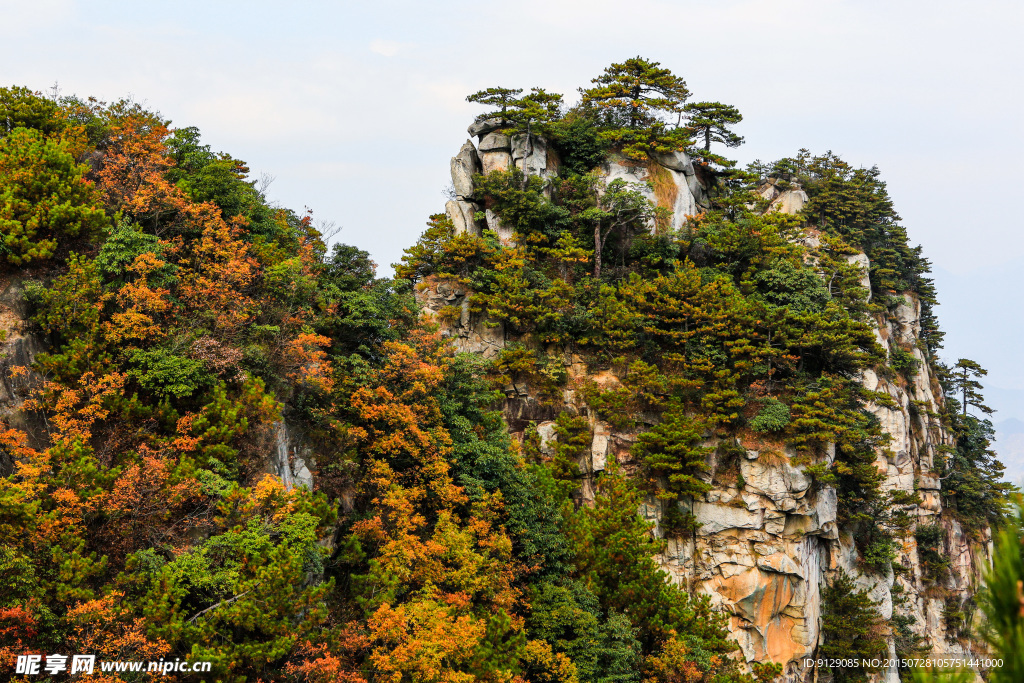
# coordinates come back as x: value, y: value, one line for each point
x: 356, y: 108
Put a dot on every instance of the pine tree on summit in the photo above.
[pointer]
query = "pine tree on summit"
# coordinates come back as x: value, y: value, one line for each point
x: 637, y: 101
x: 637, y: 91
x: 501, y: 98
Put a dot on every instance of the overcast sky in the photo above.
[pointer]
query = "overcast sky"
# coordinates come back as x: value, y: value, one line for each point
x: 356, y: 108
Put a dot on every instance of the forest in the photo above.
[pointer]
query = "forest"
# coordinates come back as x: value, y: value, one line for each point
x: 179, y: 321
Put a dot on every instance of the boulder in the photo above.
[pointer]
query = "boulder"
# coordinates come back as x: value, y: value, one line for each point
x: 675, y: 161
x: 548, y: 435
x: 599, y: 447
x: 462, y: 215
x: 530, y: 154
x: 464, y: 165
x: 715, y: 518
x: 483, y: 127
x: 494, y: 224
x: 493, y: 142
x: 498, y: 160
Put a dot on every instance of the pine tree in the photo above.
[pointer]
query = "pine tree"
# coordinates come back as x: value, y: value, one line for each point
x: 637, y: 93
x: 851, y: 628
x: 44, y: 197
x: 966, y: 388
x: 501, y: 98
x: 636, y: 102
x: 710, y: 121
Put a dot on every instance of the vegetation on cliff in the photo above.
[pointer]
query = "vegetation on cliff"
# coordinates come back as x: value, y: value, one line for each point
x: 189, y: 323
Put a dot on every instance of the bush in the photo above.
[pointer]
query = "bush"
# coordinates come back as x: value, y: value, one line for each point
x: 773, y: 416
x: 934, y: 566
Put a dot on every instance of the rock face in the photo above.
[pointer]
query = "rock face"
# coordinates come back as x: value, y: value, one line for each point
x: 670, y: 183
x: 463, y: 216
x: 495, y: 152
x: 464, y: 165
x: 768, y: 540
x: 289, y: 461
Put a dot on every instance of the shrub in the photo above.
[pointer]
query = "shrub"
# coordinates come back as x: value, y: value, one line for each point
x: 934, y: 566
x: 773, y: 416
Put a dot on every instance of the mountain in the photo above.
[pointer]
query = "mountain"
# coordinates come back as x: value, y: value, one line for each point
x: 627, y: 412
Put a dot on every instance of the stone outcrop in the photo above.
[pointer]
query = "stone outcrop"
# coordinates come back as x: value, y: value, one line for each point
x: 464, y: 166
x: 670, y: 182
x: 291, y: 459
x: 463, y: 216
x: 495, y: 152
x: 768, y: 538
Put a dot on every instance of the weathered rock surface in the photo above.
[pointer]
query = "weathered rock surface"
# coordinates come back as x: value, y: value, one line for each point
x: 768, y: 539
x: 463, y: 216
x: 464, y: 165
x: 483, y: 127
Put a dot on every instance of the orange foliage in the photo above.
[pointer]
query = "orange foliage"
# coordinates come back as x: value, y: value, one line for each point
x: 306, y: 361
x: 146, y: 507
x: 18, y: 627
x: 105, y: 627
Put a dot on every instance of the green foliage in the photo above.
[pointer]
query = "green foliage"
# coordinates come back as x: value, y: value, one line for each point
x: 44, y: 197
x: 851, y: 628
x: 934, y: 562
x: 577, y: 137
x: 1001, y: 601
x: 773, y: 417
x: 635, y: 101
x: 904, y: 362
x: 569, y: 617
x: 164, y: 373
x: 972, y: 475
x: 22, y: 108
x: 673, y: 448
x: 125, y: 242
x: 614, y: 559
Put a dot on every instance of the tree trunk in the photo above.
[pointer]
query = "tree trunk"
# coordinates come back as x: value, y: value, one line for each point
x: 597, y: 251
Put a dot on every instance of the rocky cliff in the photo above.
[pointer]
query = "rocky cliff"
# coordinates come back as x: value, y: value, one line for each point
x: 768, y: 539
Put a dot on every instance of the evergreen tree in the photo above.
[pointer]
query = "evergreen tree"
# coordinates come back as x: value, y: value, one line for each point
x: 851, y: 628
x: 636, y: 102
x: 637, y: 93
x: 500, y: 98
x: 711, y: 121
x: 966, y: 387
x: 1002, y: 602
x: 44, y: 197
